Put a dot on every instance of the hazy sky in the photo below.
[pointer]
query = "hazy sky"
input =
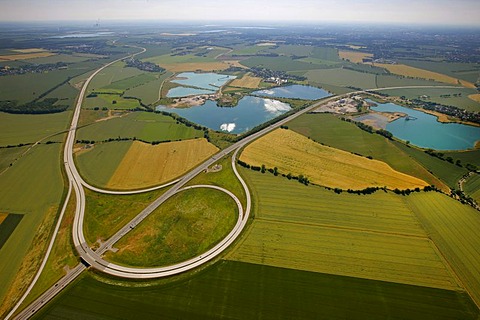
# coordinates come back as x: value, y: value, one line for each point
x: 443, y: 12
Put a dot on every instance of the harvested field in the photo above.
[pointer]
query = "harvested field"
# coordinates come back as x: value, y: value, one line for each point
x: 298, y: 155
x: 386, y: 257
x: 26, y: 56
x: 354, y: 56
x: 146, y: 165
x: 475, y: 97
x: 247, y: 81
x: 31, y: 50
x: 413, y: 72
x: 454, y: 229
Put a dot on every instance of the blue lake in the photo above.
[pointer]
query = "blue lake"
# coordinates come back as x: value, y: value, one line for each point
x: 249, y: 113
x: 209, y: 81
x: 294, y: 91
x: 426, y: 132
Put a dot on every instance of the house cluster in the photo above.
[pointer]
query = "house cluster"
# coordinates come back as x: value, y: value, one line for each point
x: 276, y: 80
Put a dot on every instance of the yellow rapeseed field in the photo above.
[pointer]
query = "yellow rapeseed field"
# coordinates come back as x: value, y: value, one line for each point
x: 293, y: 153
x: 146, y: 165
x: 408, y: 71
x: 354, y: 56
x: 247, y: 81
x: 26, y: 56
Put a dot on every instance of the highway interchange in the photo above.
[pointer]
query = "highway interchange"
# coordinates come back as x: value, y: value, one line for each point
x: 91, y: 258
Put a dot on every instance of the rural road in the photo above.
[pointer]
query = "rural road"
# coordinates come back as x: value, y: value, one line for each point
x: 94, y: 258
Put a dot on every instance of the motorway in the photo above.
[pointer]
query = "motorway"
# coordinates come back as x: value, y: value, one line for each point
x: 94, y: 259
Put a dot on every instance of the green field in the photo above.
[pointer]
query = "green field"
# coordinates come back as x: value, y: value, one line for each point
x: 29, y: 128
x: 224, y: 178
x: 67, y: 58
x: 112, y: 101
x: 293, y: 50
x: 342, y: 78
x: 62, y: 257
x: 27, y: 87
x: 472, y: 187
x: 170, y: 59
x: 185, y: 226
x: 281, y: 63
x: 446, y: 171
x: 465, y: 71
x: 147, y: 126
x: 279, y: 199
x: 106, y: 214
x: 310, y: 229
x: 153, y: 50
x: 434, y: 96
x: 98, y: 164
x: 454, y: 229
x: 115, y: 72
x: 384, y: 81
x: 9, y: 155
x: 466, y: 157
x: 7, y: 227
x: 149, y: 92
x: 330, y: 130
x: 235, y: 290
x: 130, y: 82
x: 32, y: 187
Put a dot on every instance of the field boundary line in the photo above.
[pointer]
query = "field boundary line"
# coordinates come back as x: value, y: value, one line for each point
x: 359, y: 230
x: 449, y: 267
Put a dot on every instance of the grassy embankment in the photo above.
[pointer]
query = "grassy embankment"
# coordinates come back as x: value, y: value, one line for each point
x: 62, y: 257
x: 106, y: 214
